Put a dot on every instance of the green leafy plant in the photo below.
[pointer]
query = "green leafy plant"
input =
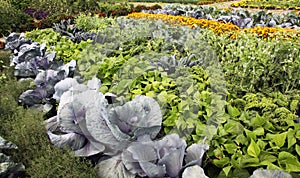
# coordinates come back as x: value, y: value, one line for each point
x: 259, y: 131
x: 65, y: 49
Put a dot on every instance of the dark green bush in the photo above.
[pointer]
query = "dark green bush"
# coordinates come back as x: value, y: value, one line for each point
x: 21, y: 4
x: 12, y: 18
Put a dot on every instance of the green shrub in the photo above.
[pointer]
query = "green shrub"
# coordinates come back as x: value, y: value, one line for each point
x: 25, y: 128
x: 21, y: 4
x: 12, y: 18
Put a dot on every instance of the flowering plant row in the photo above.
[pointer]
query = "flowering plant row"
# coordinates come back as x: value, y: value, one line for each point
x: 198, y: 2
x: 219, y: 27
x: 241, y: 18
x: 268, y: 4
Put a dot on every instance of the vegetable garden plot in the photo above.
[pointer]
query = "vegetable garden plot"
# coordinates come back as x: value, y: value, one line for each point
x: 189, y: 80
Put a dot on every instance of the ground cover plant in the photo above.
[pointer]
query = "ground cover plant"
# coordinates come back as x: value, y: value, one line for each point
x: 151, y: 99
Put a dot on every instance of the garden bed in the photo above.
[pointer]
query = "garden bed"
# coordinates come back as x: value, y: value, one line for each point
x: 151, y: 95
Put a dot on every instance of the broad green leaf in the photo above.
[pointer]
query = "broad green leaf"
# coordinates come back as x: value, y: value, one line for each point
x: 200, y: 128
x: 269, y: 126
x: 218, y: 152
x: 247, y: 160
x: 233, y: 111
x: 138, y: 70
x: 137, y: 91
x: 209, y: 132
x: 190, y: 90
x: 297, y: 149
x: 258, y: 121
x: 147, y: 88
x: 266, y: 156
x: 279, y: 139
x: 227, y: 170
x: 241, y: 139
x: 253, y: 149
x: 151, y: 94
x: 291, y: 138
x: 290, y: 161
x: 298, y: 134
x: 259, y: 131
x: 270, y: 136
x: 250, y: 135
x: 221, y: 131
x: 221, y: 162
x: 162, y: 97
x: 273, y: 166
x: 261, y: 144
x: 233, y: 127
x: 231, y: 148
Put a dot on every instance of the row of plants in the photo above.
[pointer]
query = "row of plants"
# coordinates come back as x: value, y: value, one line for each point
x: 21, y: 16
x: 221, y: 28
x: 204, y: 2
x: 177, y: 66
x: 118, y: 35
x: 198, y: 2
x: 268, y: 4
x: 239, y: 17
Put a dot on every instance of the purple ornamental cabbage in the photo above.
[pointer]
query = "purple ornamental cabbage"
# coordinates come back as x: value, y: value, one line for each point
x: 45, y: 82
x: 268, y: 173
x: 85, y: 111
x: 15, y: 40
x: 123, y: 134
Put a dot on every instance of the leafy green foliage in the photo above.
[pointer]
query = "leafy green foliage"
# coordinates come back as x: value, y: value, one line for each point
x: 259, y: 131
x: 248, y: 68
x: 89, y: 22
x: 65, y: 49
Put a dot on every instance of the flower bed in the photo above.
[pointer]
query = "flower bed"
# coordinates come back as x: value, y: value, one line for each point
x: 269, y: 4
x: 219, y: 27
